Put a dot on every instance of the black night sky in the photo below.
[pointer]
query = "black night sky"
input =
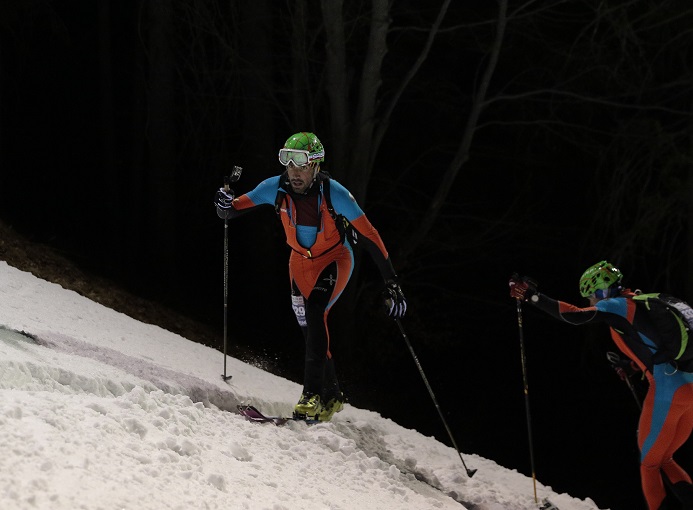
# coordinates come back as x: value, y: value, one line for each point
x: 483, y: 138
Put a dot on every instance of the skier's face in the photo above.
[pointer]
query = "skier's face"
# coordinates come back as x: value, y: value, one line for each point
x: 301, y: 177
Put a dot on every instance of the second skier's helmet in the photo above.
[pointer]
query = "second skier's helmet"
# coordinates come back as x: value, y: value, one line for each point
x: 600, y: 276
x: 301, y: 149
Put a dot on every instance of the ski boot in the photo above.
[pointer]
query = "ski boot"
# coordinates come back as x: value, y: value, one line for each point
x: 333, y: 405
x: 309, y: 407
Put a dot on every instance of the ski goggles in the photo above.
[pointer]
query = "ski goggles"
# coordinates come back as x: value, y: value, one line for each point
x: 298, y: 158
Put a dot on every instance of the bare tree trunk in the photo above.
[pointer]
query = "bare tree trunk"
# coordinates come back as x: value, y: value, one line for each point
x: 106, y: 85
x: 161, y: 141
x: 3, y: 152
x: 364, y: 124
x: 257, y: 75
x: 111, y: 223
x: 689, y: 238
x: 384, y: 123
x: 337, y: 84
x: 462, y: 154
x: 368, y: 126
x: 302, y: 93
x: 133, y: 202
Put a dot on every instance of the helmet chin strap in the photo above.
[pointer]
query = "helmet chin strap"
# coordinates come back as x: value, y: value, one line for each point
x: 316, y: 170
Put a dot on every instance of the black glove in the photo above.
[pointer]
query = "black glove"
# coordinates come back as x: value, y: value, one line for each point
x: 623, y: 367
x: 522, y: 288
x: 223, y: 200
x: 395, y: 301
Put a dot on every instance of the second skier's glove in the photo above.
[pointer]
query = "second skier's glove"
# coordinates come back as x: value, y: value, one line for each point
x: 624, y: 368
x: 522, y: 288
x: 395, y: 301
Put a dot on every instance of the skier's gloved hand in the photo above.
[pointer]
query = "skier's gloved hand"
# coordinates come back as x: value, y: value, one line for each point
x: 395, y: 301
x: 624, y: 368
x: 522, y: 287
x: 224, y: 198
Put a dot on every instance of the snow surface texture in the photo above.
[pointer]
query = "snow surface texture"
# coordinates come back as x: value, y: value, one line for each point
x: 99, y: 411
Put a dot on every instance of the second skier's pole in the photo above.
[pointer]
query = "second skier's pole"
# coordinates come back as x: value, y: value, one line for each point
x: 526, y: 391
x: 616, y: 361
x: 470, y: 472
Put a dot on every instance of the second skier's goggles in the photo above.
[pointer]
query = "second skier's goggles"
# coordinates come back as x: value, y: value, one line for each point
x: 298, y: 158
x: 605, y: 293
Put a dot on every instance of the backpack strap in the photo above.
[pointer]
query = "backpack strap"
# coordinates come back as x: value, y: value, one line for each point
x: 326, y: 193
x: 346, y: 231
x: 281, y: 196
x: 281, y: 192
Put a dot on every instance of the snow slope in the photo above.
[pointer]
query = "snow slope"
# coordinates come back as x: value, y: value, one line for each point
x: 99, y: 411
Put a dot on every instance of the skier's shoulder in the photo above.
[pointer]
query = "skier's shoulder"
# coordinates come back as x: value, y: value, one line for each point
x: 336, y: 193
x: 266, y: 191
x: 617, y: 305
x: 270, y: 183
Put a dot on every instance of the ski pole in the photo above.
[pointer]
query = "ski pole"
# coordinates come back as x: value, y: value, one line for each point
x: 526, y: 391
x: 470, y: 472
x: 235, y: 175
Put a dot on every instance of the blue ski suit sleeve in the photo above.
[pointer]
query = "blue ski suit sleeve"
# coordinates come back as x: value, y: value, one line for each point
x: 263, y: 194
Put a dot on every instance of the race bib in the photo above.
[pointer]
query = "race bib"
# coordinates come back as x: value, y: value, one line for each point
x: 299, y: 307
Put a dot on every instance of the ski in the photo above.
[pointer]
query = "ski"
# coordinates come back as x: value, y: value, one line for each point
x: 251, y: 413
x: 547, y: 505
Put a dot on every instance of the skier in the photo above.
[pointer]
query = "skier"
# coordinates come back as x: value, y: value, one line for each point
x: 666, y: 420
x: 318, y: 215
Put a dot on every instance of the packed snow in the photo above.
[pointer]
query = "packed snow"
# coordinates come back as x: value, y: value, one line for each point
x: 100, y: 411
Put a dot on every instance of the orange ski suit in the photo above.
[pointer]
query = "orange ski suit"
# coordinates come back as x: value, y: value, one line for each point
x: 666, y: 420
x: 321, y: 261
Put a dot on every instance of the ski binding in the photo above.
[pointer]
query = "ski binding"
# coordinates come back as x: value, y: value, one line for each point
x: 251, y: 413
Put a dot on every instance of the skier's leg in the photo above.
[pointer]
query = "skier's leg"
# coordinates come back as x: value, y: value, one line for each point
x: 679, y: 481
x: 332, y: 396
x: 330, y: 382
x: 309, y: 404
x: 665, y: 425
x: 319, y: 374
x: 317, y: 338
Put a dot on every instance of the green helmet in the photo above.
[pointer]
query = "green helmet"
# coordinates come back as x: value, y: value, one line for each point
x: 600, y: 276
x: 303, y: 141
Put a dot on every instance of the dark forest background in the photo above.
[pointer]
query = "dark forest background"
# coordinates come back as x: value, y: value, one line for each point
x: 480, y: 137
